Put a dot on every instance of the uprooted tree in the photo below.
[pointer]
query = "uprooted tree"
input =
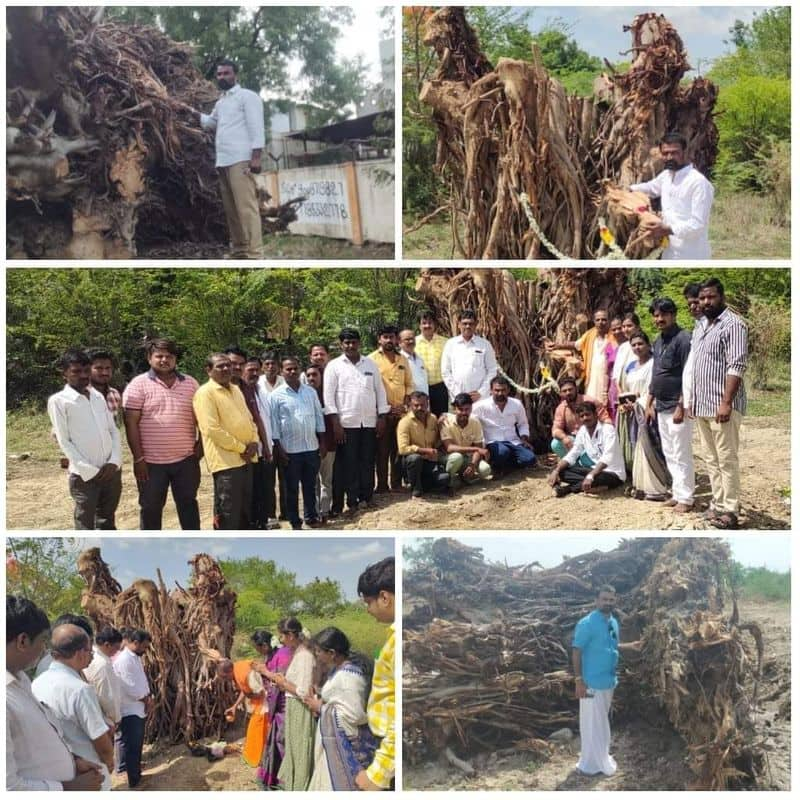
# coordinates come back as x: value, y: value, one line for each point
x: 509, y: 130
x: 516, y: 316
x: 487, y: 651
x: 191, y: 629
x: 100, y: 155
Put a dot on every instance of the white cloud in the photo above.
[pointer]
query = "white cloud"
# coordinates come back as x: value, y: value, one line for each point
x: 350, y: 552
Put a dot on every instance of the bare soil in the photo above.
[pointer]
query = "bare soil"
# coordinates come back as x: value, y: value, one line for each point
x: 649, y: 757
x: 37, y: 497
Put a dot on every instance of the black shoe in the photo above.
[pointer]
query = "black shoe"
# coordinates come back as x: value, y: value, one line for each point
x: 562, y: 491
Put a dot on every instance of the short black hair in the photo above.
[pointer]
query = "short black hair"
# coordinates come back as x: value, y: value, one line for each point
x: 467, y: 313
x: 586, y: 405
x: 691, y: 290
x: 313, y: 366
x: 126, y: 632
x: 639, y: 334
x: 349, y: 333
x: 666, y: 305
x: 377, y: 578
x: 138, y: 636
x: 427, y: 314
x: 462, y: 399
x: 318, y: 344
x: 566, y: 381
x: 98, y: 353
x: 24, y: 616
x: 73, y: 356
x: 389, y: 329
x: 501, y: 379
x: 290, y: 357
x: 417, y: 395
x: 213, y: 357
x: 253, y: 360
x: 75, y: 619
x: 713, y: 283
x: 227, y: 62
x: 235, y: 350
x: 108, y: 635
x: 674, y: 137
x: 161, y: 344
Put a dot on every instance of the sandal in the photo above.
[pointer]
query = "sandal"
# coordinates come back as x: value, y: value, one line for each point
x: 726, y: 521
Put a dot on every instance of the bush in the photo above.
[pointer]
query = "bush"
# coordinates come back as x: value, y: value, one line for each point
x: 770, y: 340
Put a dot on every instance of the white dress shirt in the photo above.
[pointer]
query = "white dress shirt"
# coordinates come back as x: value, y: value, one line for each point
x: 100, y: 673
x: 268, y: 387
x: 354, y: 391
x: 37, y: 757
x: 238, y: 122
x: 506, y: 425
x: 85, y: 431
x: 75, y: 705
x: 468, y: 366
x: 133, y: 683
x: 602, y: 445
x: 418, y: 371
x: 686, y: 198
x: 262, y: 401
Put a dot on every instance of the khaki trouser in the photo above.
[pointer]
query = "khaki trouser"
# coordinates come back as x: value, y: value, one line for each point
x: 720, y: 452
x: 240, y: 201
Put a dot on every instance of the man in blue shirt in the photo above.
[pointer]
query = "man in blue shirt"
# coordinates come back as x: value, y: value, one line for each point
x: 595, y: 653
x: 297, y: 425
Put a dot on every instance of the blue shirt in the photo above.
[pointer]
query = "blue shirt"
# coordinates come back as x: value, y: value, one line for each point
x: 296, y: 418
x: 597, y: 637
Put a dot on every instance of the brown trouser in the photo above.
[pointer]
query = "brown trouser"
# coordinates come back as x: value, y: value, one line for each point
x: 240, y: 201
x: 387, y: 462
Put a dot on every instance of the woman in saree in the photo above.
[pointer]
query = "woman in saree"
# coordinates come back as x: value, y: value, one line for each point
x: 617, y: 339
x: 343, y: 744
x: 638, y: 436
x: 253, y: 697
x: 625, y: 354
x: 289, y: 630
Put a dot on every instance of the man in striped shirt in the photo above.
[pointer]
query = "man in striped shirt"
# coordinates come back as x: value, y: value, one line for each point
x: 718, y: 400
x: 297, y: 426
x: 162, y: 435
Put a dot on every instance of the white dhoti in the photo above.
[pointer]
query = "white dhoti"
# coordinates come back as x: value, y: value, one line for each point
x: 596, y: 734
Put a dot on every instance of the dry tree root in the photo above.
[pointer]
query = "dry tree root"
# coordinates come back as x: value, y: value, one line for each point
x: 511, y: 129
x: 487, y: 652
x: 190, y: 628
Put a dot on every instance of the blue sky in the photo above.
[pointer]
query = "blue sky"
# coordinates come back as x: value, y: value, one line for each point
x: 750, y: 549
x: 342, y: 559
x: 598, y: 29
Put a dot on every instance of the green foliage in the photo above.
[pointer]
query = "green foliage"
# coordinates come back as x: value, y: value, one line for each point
x: 561, y: 54
x: 419, y: 554
x: 502, y: 32
x: 202, y: 309
x: 45, y: 572
x: 265, y: 41
x: 760, y: 583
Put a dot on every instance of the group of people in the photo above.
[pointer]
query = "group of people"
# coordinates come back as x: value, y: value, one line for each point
x: 321, y: 716
x: 643, y: 401
x: 83, y: 716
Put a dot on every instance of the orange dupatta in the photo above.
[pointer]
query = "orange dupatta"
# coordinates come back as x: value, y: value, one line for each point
x: 258, y: 724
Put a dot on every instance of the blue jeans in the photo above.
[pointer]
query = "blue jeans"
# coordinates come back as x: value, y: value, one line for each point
x: 302, y: 470
x: 505, y: 454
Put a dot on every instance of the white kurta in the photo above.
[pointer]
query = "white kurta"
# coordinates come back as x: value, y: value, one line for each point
x: 596, y: 734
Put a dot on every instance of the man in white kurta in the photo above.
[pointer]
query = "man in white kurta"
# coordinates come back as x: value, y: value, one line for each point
x: 595, y: 653
x: 468, y: 361
x: 686, y: 198
x: 100, y: 673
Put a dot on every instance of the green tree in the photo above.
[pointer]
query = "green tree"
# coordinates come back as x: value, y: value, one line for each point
x: 44, y: 571
x: 264, y: 41
x: 502, y: 32
x: 322, y: 598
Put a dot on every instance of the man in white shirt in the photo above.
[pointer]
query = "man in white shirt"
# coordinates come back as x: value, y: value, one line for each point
x: 505, y: 428
x: 73, y: 702
x: 468, y: 361
x: 135, y: 703
x: 686, y: 198
x: 355, y: 402
x: 100, y: 673
x: 63, y: 619
x: 88, y: 437
x: 419, y: 374
x: 37, y: 757
x: 598, y: 441
x: 238, y: 123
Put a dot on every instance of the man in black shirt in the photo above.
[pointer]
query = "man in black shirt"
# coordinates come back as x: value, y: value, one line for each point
x: 665, y: 401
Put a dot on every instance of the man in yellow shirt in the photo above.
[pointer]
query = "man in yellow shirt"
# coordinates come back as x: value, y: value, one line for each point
x: 398, y: 382
x: 230, y: 443
x: 418, y: 445
x: 376, y: 589
x: 462, y: 441
x: 430, y: 346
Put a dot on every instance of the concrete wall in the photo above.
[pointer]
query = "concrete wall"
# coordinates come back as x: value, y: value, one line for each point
x: 344, y: 200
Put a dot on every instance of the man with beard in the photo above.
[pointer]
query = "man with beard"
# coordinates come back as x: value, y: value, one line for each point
x: 686, y: 198
x: 88, y: 437
x: 595, y: 653
x: 418, y: 445
x: 398, y: 384
x: 102, y: 370
x: 135, y: 703
x: 718, y: 401
x: 238, y: 124
x: 462, y: 441
x: 565, y: 418
x: 162, y: 435
x: 468, y: 361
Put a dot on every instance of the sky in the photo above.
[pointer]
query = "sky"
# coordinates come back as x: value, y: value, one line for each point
x: 342, y: 559
x: 598, y: 29
x: 750, y: 549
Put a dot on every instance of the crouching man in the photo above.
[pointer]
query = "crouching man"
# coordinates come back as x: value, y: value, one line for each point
x: 418, y: 447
